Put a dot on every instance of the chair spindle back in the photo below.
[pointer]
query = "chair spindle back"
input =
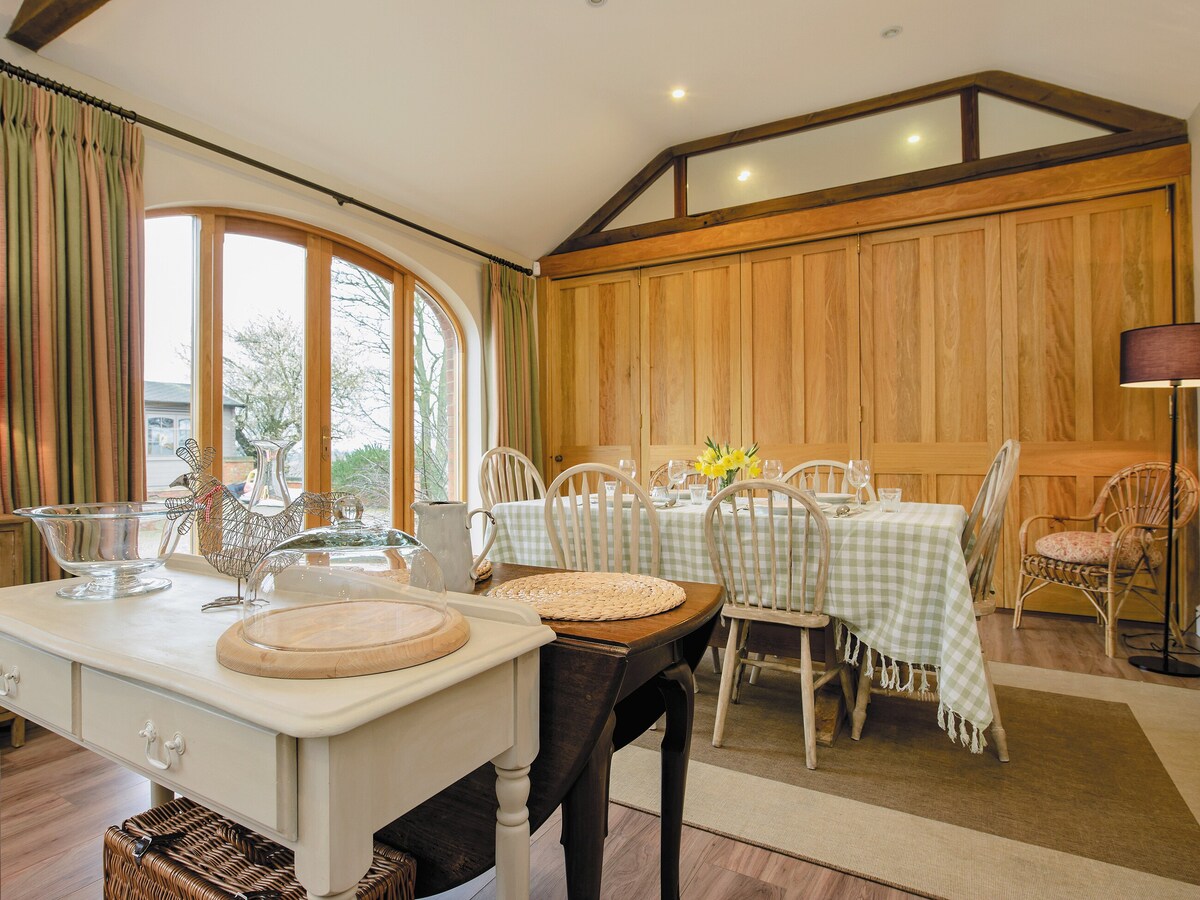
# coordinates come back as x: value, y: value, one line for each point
x: 589, y: 532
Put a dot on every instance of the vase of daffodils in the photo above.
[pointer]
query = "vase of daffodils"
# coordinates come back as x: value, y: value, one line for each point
x: 723, y: 462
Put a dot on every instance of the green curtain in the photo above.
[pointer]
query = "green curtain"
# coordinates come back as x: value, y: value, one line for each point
x: 510, y: 346
x: 71, y: 233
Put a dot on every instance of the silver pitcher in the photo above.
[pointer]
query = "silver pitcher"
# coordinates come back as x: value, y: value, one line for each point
x: 444, y: 526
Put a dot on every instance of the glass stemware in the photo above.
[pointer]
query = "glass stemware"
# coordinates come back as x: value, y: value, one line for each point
x: 772, y: 469
x: 677, y: 472
x: 859, y: 476
x: 628, y: 467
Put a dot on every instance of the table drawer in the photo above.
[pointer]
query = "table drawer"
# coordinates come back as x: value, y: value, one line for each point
x: 249, y: 770
x: 35, y: 684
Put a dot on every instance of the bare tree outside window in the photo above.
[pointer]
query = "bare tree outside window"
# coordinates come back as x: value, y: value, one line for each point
x: 264, y: 371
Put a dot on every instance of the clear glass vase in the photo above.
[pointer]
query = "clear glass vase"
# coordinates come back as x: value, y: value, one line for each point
x: 270, y: 494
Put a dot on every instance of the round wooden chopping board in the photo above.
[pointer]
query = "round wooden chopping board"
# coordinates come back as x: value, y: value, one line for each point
x: 341, y: 639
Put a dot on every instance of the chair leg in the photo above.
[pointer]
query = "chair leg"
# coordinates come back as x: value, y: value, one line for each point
x: 18, y: 732
x: 716, y: 658
x: 1022, y: 593
x: 1110, y: 624
x: 847, y: 691
x: 754, y: 670
x: 739, y: 660
x: 808, y: 701
x: 998, y: 733
x: 726, y: 691
x: 859, y: 716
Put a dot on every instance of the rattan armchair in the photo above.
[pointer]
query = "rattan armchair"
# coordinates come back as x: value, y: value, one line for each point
x: 1132, y: 508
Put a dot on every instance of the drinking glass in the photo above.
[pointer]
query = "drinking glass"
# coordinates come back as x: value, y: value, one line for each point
x: 628, y: 467
x: 772, y: 469
x: 889, y: 499
x: 677, y: 472
x: 698, y: 493
x: 610, y: 490
x: 859, y: 477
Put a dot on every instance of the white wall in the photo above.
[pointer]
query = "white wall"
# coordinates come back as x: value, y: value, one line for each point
x: 177, y: 173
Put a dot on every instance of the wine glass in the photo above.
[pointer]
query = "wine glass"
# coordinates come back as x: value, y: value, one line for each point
x: 859, y: 476
x: 772, y: 469
x: 677, y: 472
x: 628, y: 467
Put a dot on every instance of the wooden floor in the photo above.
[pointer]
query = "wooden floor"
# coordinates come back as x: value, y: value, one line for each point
x: 56, y: 799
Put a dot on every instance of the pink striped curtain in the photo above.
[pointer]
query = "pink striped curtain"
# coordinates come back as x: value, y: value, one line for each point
x: 71, y: 229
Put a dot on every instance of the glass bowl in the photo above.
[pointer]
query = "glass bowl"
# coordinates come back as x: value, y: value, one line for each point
x: 109, y: 543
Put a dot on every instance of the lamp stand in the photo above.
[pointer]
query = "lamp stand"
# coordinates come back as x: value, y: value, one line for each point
x: 1167, y: 664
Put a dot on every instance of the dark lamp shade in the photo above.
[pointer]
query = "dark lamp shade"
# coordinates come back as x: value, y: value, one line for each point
x: 1161, y: 356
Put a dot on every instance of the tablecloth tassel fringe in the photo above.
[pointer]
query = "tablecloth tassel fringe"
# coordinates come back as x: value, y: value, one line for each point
x: 942, y: 716
x: 963, y: 738
x: 838, y: 635
x: 852, y: 649
x: 908, y: 686
x: 978, y: 740
x: 924, y: 680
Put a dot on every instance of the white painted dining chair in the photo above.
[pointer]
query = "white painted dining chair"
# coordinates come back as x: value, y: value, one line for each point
x: 824, y: 476
x: 506, y: 475
x: 980, y: 543
x: 770, y: 552
x: 590, y: 532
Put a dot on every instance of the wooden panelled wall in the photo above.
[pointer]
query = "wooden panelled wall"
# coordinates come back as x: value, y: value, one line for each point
x: 919, y: 348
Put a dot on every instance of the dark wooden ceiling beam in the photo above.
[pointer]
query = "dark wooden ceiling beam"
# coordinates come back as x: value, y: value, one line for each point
x: 38, y: 22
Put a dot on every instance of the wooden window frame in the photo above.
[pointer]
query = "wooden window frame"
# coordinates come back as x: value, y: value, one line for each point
x: 212, y: 224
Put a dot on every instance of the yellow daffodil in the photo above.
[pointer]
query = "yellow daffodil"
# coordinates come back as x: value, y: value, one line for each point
x: 737, y: 457
x: 755, y: 470
x: 709, y: 456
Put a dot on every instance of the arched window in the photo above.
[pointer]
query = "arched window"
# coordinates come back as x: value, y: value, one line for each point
x: 261, y: 328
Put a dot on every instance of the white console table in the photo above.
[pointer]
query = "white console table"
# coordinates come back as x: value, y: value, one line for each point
x: 318, y: 766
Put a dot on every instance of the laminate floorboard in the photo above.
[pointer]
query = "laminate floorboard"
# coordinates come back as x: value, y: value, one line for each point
x: 56, y: 799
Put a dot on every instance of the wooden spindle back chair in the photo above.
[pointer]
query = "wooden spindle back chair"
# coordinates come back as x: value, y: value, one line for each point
x: 980, y: 543
x: 592, y: 533
x: 770, y: 552
x: 658, y: 478
x: 824, y: 476
x: 506, y: 475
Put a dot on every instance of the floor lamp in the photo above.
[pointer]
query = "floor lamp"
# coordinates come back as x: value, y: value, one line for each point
x: 1157, y: 357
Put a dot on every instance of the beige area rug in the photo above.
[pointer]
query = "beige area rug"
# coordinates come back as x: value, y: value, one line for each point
x: 1101, y: 798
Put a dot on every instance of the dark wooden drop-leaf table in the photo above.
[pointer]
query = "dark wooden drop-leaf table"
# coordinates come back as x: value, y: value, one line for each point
x: 602, y: 685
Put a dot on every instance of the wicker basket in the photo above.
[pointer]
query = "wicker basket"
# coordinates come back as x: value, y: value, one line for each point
x: 212, y: 858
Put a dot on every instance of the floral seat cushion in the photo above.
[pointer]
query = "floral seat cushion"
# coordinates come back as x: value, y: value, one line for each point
x: 1094, y: 547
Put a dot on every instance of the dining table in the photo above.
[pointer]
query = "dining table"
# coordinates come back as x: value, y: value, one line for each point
x: 603, y: 684
x: 898, y: 589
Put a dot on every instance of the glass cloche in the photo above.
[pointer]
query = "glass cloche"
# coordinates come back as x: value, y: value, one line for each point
x: 348, y: 599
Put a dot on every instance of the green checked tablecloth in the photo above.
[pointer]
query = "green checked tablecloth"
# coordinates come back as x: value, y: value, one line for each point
x: 897, y: 585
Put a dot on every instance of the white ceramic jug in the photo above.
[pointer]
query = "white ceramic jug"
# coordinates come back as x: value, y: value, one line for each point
x: 444, y: 526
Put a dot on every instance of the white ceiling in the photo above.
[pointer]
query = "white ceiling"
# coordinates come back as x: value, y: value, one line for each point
x: 516, y: 120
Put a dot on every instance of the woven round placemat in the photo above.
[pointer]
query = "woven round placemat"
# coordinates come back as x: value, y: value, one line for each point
x: 592, y: 596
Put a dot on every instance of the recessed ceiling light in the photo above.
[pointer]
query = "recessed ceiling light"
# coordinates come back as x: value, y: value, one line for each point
x: 744, y: 175
x: 679, y: 93
x: 890, y: 32
x: 596, y: 2
x: 914, y: 138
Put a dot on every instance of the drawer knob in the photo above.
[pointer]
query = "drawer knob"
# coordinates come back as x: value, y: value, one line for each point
x: 176, y: 745
x: 9, y: 681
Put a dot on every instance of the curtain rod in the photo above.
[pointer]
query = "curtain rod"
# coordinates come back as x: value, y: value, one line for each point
x: 342, y: 199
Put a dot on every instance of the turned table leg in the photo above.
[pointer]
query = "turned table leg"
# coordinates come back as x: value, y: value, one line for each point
x: 678, y: 691
x: 585, y: 819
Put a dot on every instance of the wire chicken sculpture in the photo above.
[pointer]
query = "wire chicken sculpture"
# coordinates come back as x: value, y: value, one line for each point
x: 233, y: 538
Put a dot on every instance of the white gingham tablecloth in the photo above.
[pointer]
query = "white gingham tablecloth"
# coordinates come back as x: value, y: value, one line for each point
x: 897, y: 585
